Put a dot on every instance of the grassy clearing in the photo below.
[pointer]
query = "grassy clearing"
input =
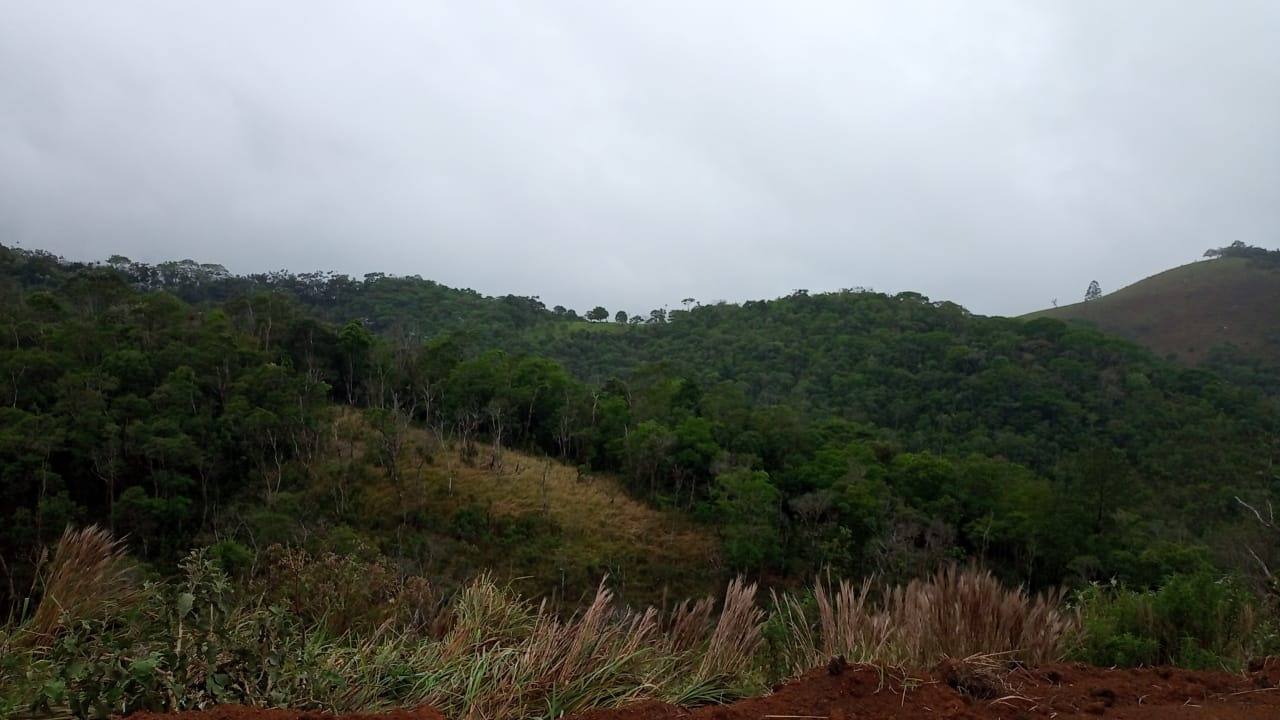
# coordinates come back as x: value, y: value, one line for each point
x: 533, y: 521
x: 201, y: 639
x: 601, y: 529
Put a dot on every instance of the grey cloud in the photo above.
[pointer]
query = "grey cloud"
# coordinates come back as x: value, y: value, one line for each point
x: 998, y: 154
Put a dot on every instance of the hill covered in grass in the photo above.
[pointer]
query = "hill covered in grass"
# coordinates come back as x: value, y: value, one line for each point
x: 550, y: 529
x: 1187, y: 312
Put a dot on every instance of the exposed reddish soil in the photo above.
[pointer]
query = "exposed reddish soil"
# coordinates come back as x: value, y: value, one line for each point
x: 953, y: 690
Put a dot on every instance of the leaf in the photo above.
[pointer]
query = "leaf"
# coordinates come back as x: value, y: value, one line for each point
x: 185, y: 603
x: 53, y: 692
x: 142, y: 669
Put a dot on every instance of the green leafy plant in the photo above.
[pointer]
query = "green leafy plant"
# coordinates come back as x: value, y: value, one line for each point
x: 1195, y: 620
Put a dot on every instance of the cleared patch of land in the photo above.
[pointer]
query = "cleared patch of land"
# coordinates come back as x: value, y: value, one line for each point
x: 551, y: 530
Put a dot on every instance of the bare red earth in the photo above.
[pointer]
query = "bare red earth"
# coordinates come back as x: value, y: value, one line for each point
x: 954, y: 691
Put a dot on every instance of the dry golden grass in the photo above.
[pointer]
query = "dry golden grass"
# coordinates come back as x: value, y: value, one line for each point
x: 88, y: 577
x: 689, y: 623
x: 504, y: 658
x: 732, y: 646
x: 955, y: 613
x: 595, y: 510
x: 959, y: 613
x: 650, y: 553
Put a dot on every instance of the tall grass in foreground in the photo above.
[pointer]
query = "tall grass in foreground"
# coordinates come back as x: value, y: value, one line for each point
x: 89, y: 577
x: 201, y: 640
x: 954, y: 613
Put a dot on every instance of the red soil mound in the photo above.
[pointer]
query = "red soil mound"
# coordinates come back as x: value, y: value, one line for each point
x: 953, y: 690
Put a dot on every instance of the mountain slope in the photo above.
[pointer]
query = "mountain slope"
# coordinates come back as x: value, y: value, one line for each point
x: 1184, y: 312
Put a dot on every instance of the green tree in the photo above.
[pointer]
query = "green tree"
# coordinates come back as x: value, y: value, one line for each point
x: 747, y: 504
x: 355, y: 342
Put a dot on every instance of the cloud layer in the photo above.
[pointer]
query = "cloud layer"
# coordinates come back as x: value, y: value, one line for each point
x: 998, y: 154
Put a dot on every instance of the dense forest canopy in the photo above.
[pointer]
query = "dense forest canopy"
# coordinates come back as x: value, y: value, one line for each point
x: 854, y: 431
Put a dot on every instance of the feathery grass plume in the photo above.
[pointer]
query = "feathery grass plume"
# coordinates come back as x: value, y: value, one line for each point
x: 598, y: 658
x: 701, y: 663
x: 89, y: 577
x: 850, y: 627
x: 737, y: 635
x: 796, y: 647
x: 689, y: 624
x: 967, y: 612
x: 601, y: 657
x: 831, y: 622
x: 955, y: 613
x: 485, y: 615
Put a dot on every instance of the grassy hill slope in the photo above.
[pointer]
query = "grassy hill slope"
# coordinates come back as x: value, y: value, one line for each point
x: 1185, y: 311
x: 538, y: 523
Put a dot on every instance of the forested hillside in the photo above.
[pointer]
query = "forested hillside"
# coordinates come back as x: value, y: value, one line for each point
x: 852, y: 431
x: 384, y: 303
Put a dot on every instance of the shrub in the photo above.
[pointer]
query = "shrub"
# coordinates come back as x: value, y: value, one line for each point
x: 233, y: 558
x: 1194, y: 620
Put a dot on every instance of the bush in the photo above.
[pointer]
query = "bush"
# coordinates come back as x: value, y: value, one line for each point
x: 1195, y: 620
x: 231, y: 557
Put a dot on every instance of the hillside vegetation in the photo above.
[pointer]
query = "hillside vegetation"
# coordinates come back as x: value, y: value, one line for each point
x: 1225, y: 305
x: 550, y: 529
x: 853, y: 431
x: 335, y: 480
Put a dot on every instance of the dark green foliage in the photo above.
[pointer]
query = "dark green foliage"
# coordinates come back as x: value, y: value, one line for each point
x: 396, y: 306
x: 192, y: 643
x: 138, y: 412
x: 748, y: 508
x: 231, y: 557
x: 1258, y: 255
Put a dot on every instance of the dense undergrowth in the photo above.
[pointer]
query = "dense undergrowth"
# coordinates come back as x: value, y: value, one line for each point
x: 338, y: 633
x: 1195, y: 621
x: 342, y: 633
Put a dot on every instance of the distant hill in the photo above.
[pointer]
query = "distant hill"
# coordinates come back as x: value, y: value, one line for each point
x: 1185, y: 312
x: 387, y: 304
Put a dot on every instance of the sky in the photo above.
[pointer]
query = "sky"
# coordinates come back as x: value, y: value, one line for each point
x: 1000, y: 155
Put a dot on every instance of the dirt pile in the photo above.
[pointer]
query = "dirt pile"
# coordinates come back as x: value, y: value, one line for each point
x: 953, y: 690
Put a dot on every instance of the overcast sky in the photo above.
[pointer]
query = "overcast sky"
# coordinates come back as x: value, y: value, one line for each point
x: 631, y: 154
